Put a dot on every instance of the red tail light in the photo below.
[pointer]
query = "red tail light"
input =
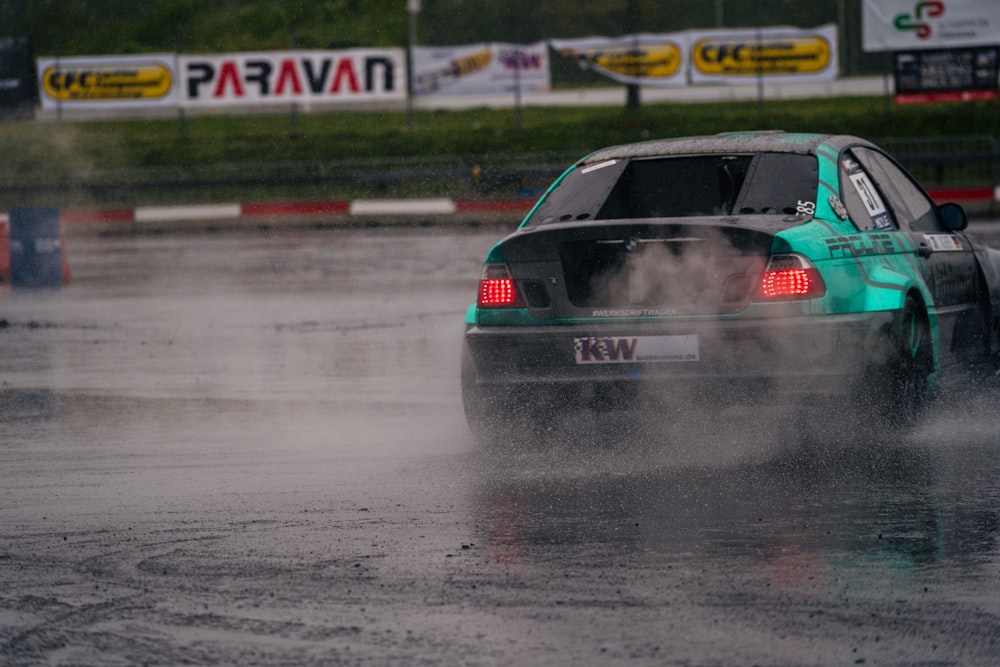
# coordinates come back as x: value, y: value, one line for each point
x: 497, y: 289
x: 791, y: 277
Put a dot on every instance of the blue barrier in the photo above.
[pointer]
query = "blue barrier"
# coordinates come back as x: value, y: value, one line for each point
x: 35, y: 247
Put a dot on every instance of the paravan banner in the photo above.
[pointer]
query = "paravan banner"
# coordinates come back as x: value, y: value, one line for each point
x: 284, y: 77
x: 481, y: 69
x: 642, y: 59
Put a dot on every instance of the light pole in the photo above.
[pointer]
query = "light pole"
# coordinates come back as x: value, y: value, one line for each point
x: 760, y: 63
x: 412, y: 9
x: 632, y: 101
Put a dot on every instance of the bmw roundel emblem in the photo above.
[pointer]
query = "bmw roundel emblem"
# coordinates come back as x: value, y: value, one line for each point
x: 631, y: 245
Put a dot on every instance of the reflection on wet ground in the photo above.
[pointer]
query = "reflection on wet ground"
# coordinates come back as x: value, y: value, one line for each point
x: 249, y: 449
x: 898, y: 503
x: 877, y: 543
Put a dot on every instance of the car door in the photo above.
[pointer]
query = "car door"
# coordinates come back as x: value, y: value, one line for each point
x: 944, y: 258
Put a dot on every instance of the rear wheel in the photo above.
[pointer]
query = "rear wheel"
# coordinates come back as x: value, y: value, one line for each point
x: 900, y: 380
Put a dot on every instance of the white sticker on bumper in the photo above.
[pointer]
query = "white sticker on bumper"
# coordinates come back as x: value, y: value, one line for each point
x: 636, y: 349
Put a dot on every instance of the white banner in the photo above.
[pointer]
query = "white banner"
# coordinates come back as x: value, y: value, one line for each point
x: 481, y: 69
x: 107, y: 82
x: 907, y: 25
x: 773, y: 54
x: 282, y: 77
x: 644, y: 59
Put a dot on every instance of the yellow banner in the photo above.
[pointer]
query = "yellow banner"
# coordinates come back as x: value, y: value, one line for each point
x: 148, y: 82
x: 661, y: 62
x: 768, y: 56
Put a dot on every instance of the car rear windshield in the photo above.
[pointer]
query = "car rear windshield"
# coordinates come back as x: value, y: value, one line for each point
x: 684, y: 186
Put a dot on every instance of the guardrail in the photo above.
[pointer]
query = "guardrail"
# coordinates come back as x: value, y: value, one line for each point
x: 962, y: 162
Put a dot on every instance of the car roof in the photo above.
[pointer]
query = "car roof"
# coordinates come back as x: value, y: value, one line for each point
x: 728, y: 142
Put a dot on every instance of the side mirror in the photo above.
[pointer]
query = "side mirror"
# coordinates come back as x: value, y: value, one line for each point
x: 953, y: 217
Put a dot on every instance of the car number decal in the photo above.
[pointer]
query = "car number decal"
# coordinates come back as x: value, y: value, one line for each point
x: 636, y: 349
x: 873, y: 203
x: 943, y: 242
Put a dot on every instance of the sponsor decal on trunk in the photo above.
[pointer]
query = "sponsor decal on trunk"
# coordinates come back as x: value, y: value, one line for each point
x: 635, y: 349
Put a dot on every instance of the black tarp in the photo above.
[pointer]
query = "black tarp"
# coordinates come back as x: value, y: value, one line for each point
x: 18, y: 82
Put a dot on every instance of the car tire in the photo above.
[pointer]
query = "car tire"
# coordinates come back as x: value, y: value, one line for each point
x: 900, y: 380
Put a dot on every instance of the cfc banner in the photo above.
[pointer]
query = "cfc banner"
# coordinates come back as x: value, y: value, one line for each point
x: 273, y: 77
x: 774, y: 54
x: 648, y: 60
x: 107, y: 82
x: 480, y: 69
x: 907, y: 25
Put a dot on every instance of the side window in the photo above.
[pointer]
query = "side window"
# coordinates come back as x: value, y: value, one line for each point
x: 863, y: 200
x: 782, y: 183
x: 913, y: 209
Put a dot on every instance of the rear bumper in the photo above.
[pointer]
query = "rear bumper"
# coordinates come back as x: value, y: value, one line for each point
x: 817, y: 353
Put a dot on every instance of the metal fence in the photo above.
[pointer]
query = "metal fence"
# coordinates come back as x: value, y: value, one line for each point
x: 949, y: 161
x: 487, y: 176
x: 962, y: 161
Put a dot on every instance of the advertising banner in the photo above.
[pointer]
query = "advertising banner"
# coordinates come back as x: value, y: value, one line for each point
x: 107, y: 82
x: 283, y: 77
x: 481, y: 69
x: 907, y: 25
x: 772, y: 54
x: 947, y: 75
x: 18, y: 86
x: 644, y: 59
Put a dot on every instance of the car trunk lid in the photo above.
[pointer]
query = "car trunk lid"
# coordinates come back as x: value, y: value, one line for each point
x: 697, y: 266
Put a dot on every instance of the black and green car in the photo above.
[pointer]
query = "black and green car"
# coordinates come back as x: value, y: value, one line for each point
x: 760, y: 262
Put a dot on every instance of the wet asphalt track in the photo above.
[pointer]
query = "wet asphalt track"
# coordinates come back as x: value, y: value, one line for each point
x: 240, y: 449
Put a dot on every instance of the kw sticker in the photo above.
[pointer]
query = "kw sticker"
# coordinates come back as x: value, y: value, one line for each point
x: 636, y: 349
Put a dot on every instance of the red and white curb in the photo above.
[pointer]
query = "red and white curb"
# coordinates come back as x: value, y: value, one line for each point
x: 359, y: 208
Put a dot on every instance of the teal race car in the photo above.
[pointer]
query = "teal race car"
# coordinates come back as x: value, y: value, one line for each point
x: 724, y: 267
